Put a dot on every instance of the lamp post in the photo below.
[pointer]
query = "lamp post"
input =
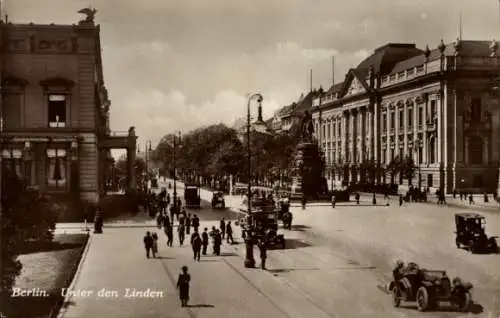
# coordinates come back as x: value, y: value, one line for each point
x: 176, y: 143
x: 249, y: 240
x: 418, y: 149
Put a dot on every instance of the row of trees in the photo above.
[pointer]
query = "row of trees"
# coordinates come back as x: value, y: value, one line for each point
x: 216, y: 151
x: 370, y: 169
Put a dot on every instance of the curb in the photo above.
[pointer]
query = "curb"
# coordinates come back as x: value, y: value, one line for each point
x: 67, y: 299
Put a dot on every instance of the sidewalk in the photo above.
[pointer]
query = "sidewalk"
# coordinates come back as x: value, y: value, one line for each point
x: 220, y: 287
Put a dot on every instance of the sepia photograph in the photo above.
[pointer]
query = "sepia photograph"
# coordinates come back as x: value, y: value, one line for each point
x: 250, y: 158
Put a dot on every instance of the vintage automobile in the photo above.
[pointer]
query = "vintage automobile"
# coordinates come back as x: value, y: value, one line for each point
x: 192, y: 196
x: 264, y: 221
x: 218, y: 200
x: 429, y: 287
x: 471, y: 234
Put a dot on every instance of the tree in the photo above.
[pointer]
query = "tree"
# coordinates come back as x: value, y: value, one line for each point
x: 407, y: 168
x: 26, y: 216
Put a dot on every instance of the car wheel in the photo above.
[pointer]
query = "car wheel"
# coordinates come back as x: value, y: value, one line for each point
x: 464, y: 302
x: 396, y: 297
x: 422, y: 299
x: 493, y: 245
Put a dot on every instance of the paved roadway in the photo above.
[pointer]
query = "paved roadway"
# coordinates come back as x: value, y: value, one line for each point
x: 336, y: 264
x: 341, y: 259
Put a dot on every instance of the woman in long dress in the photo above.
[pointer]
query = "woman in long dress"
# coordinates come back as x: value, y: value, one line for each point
x: 183, y: 286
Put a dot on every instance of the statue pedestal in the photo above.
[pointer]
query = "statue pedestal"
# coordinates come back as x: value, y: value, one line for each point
x: 308, y: 171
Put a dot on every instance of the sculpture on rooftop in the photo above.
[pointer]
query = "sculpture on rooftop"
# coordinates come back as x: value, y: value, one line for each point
x: 89, y: 15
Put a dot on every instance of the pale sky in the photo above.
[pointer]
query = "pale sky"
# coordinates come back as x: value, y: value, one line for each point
x: 179, y: 64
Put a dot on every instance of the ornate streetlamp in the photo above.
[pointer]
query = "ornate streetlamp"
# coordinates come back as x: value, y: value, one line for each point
x: 177, y: 140
x: 259, y: 126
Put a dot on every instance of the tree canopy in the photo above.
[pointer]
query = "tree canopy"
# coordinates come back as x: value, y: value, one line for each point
x: 220, y: 150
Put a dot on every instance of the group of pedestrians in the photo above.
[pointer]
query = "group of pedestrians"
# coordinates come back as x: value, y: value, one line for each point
x: 151, y: 244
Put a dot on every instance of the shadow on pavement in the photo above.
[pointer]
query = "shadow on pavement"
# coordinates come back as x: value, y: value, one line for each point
x: 210, y: 260
x: 276, y: 271
x: 164, y: 257
x: 228, y: 254
x: 300, y: 227
x: 475, y: 309
x: 291, y: 243
x: 201, y: 306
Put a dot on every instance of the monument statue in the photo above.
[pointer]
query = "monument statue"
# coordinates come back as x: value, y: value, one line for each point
x: 89, y: 15
x: 308, y: 164
x: 307, y: 127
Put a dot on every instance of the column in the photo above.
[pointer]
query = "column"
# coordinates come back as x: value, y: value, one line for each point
x: 396, y: 129
x: 387, y: 134
x: 415, y: 131
x: 424, y: 137
x: 343, y: 140
x: 375, y: 113
x: 439, y: 126
x: 405, y: 127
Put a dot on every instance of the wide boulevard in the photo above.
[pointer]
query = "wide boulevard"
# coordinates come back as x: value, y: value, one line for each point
x: 336, y: 264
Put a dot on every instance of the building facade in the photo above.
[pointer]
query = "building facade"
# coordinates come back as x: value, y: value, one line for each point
x: 55, y: 109
x: 439, y: 107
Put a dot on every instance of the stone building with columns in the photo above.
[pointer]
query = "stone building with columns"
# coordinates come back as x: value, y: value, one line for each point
x: 55, y: 109
x: 438, y: 106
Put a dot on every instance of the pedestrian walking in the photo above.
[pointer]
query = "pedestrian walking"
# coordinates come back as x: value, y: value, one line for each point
x: 263, y: 253
x: 183, y: 286
x: 196, y: 222
x: 204, y: 241
x: 374, y: 199
x: 222, y: 227
x: 229, y: 233
x: 400, y: 200
x: 196, y: 245
x: 471, y: 199
x: 155, y: 244
x: 217, y: 242
x: 182, y: 219
x: 180, y: 231
x: 357, y: 197
x: 148, y: 243
x: 159, y: 219
x: 169, y: 231
x: 166, y: 221
x: 334, y: 201
x: 304, y: 202
x: 188, y: 224
x: 172, y: 213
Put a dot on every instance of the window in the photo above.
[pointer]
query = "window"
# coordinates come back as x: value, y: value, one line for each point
x: 329, y: 132
x: 11, y: 110
x: 393, y: 120
x: 56, y: 168
x: 476, y: 110
x: 401, y: 119
x: 11, y: 159
x: 420, y: 155
x: 420, y: 69
x: 57, y: 111
x: 401, y: 75
x: 432, y: 150
x: 392, y: 154
x: 433, y: 109
x: 429, y: 180
x: 384, y: 122
x: 420, y: 116
x: 384, y: 155
x: 410, y: 152
x: 410, y: 117
x: 410, y: 72
x: 475, y: 150
x: 334, y: 130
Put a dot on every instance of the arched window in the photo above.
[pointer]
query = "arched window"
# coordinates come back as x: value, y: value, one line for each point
x: 475, y: 150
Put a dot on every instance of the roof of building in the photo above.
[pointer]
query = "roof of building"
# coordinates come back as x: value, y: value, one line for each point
x: 335, y: 88
x: 305, y: 103
x: 467, y: 48
x: 385, y: 57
